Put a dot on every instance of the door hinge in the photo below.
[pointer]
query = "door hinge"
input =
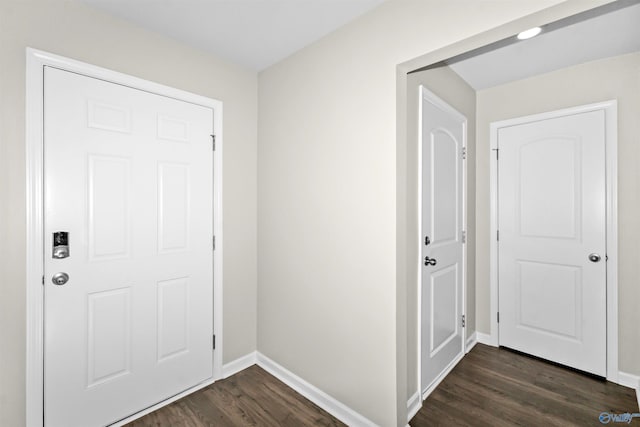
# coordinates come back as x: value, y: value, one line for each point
x: 427, y: 241
x: 463, y: 321
x: 464, y: 236
x: 213, y: 141
x: 464, y: 153
x: 498, y: 235
x: 214, y: 243
x: 497, y: 152
x: 42, y: 280
x: 498, y: 316
x: 214, y: 342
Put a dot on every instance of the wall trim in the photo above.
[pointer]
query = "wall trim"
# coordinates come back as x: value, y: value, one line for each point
x: 240, y: 364
x: 314, y: 394
x: 36, y: 60
x: 632, y: 381
x: 628, y: 380
x: 471, y: 342
x: 611, y: 164
x: 413, y: 405
x: 485, y: 339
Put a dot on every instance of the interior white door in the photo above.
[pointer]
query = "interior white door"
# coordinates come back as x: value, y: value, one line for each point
x: 552, y: 220
x: 443, y: 138
x: 129, y: 175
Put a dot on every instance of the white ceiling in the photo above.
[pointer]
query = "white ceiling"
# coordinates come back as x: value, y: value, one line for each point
x: 252, y: 33
x: 614, y: 33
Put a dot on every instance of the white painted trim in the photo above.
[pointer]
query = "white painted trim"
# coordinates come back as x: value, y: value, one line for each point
x: 413, y: 405
x: 611, y: 154
x: 632, y: 381
x: 314, y: 394
x: 34, y: 244
x: 485, y: 339
x: 426, y: 94
x: 471, y: 342
x: 442, y: 376
x: 419, y: 248
x: 628, y: 380
x: 611, y: 157
x: 240, y: 364
x: 35, y: 62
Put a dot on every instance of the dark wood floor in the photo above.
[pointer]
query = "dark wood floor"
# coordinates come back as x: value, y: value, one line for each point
x: 497, y: 387
x: 251, y: 397
x: 489, y: 387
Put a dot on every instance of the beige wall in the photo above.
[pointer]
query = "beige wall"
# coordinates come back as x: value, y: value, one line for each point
x: 613, y: 78
x: 447, y: 85
x: 327, y: 307
x: 73, y: 30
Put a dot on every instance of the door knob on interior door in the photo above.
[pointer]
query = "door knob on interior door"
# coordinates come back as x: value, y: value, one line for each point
x: 60, y: 279
x: 594, y: 257
x: 429, y: 261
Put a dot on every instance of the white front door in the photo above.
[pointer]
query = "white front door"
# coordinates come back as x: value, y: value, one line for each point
x: 552, y: 239
x: 129, y: 177
x: 443, y: 139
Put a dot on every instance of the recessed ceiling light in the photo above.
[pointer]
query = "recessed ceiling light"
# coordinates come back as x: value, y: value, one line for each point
x: 531, y: 32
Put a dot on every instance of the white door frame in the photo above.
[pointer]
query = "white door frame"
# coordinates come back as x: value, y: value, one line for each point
x: 611, y: 158
x: 426, y: 94
x: 36, y: 61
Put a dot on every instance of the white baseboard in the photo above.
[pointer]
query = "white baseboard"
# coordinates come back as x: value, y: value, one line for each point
x: 485, y: 339
x: 471, y: 342
x: 628, y: 380
x: 413, y: 405
x: 314, y: 394
x: 239, y: 364
x: 631, y: 381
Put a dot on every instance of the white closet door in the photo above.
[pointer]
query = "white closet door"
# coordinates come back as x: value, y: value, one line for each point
x: 552, y: 241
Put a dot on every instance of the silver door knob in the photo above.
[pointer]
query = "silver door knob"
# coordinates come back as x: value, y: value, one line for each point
x: 594, y: 257
x: 60, y: 279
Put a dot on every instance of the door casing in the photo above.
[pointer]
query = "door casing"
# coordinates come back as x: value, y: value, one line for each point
x: 36, y: 61
x: 433, y: 98
x: 611, y: 158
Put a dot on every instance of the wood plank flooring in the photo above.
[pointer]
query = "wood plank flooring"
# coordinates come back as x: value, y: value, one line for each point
x: 251, y: 397
x: 497, y: 387
x: 489, y: 387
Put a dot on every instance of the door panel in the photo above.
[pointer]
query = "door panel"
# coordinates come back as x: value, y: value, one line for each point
x: 173, y: 215
x: 444, y: 295
x: 442, y: 139
x: 109, y: 207
x: 129, y: 175
x: 444, y: 191
x: 109, y: 335
x: 551, y: 217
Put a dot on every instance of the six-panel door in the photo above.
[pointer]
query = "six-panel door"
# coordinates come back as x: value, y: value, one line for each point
x: 129, y: 175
